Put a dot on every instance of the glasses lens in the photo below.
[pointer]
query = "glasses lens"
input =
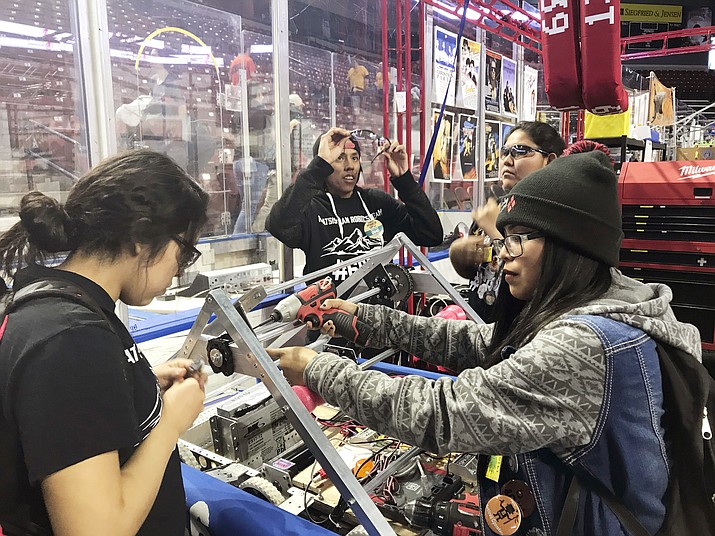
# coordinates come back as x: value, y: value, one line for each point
x: 363, y: 135
x: 497, y: 245
x: 189, y: 254
x: 513, y: 245
x: 505, y: 151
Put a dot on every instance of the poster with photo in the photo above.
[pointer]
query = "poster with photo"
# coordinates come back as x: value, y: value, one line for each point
x: 505, y: 129
x: 491, y: 144
x: 508, y: 86
x: 445, y: 48
x: 492, y: 83
x: 467, y: 147
x: 531, y: 93
x: 469, y: 57
x: 442, y: 154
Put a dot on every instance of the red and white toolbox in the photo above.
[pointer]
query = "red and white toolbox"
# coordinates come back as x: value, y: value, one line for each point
x: 669, y: 234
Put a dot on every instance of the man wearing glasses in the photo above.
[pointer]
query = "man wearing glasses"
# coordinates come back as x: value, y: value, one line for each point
x: 332, y: 219
x: 531, y: 145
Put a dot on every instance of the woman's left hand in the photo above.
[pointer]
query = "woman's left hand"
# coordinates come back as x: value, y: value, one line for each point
x: 176, y: 370
x: 396, y: 158
x: 293, y: 361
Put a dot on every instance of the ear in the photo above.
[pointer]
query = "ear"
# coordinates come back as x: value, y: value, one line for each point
x: 551, y: 158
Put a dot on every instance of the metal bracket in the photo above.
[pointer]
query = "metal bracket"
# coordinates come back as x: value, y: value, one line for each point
x: 259, y: 364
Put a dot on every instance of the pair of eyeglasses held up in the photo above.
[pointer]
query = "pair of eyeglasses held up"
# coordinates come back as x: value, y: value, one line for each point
x: 519, y: 151
x: 377, y: 141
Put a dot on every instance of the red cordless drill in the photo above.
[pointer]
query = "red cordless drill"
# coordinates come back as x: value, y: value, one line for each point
x: 305, y: 307
x: 460, y: 516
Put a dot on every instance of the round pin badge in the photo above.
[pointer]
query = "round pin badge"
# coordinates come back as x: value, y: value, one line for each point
x: 490, y: 297
x: 521, y: 493
x: 374, y: 229
x: 502, y: 515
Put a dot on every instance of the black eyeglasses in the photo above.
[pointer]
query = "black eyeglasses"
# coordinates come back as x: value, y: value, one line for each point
x: 514, y: 243
x: 377, y: 141
x: 189, y: 254
x: 519, y: 151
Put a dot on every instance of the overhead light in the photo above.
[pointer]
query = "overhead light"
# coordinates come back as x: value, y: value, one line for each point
x: 261, y: 49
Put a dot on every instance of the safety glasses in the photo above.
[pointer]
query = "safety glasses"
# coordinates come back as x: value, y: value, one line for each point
x: 363, y: 136
x: 519, y: 151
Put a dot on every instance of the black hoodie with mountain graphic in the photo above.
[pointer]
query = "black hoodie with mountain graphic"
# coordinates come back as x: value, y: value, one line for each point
x: 304, y: 218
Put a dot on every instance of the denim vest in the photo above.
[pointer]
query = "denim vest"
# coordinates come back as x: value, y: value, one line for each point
x: 627, y: 452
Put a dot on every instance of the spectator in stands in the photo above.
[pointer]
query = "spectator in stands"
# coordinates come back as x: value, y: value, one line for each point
x: 356, y: 83
x: 330, y: 218
x: 531, y: 145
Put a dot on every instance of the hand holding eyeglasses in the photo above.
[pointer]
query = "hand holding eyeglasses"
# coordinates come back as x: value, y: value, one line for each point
x: 395, y: 158
x: 332, y: 144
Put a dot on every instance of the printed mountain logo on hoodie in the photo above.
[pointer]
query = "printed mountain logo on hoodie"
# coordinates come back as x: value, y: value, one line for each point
x: 351, y: 245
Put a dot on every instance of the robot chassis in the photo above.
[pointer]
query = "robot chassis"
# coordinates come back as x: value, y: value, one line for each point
x: 229, y: 344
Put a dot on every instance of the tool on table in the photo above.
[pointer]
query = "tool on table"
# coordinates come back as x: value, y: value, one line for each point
x: 460, y: 516
x: 304, y: 306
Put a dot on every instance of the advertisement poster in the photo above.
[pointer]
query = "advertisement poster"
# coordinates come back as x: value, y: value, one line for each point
x: 445, y: 49
x: 508, y: 82
x: 492, y: 145
x: 531, y: 93
x: 442, y: 154
x: 661, y: 111
x: 492, y: 83
x: 467, y: 147
x: 505, y: 129
x: 469, y: 73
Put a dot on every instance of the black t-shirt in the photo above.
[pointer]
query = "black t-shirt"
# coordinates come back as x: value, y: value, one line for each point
x: 71, y: 388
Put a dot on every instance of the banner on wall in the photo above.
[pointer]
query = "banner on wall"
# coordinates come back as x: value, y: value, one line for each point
x: 442, y: 154
x: 600, y: 33
x: 661, y: 111
x: 531, y: 93
x: 444, y: 65
x: 508, y: 81
x: 560, y: 54
x: 492, y: 82
x: 469, y: 58
x: 468, y: 147
x: 491, y: 143
x: 580, y: 44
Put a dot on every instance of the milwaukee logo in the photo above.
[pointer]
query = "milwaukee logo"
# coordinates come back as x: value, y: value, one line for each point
x: 695, y: 172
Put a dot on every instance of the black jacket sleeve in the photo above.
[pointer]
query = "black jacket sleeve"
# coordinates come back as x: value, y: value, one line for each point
x: 414, y: 216
x: 287, y: 215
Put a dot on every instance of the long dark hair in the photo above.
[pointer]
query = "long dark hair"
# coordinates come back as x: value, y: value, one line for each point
x: 135, y: 197
x: 568, y: 280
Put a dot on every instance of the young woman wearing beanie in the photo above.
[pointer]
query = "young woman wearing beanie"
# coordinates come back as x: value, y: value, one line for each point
x: 88, y: 431
x: 566, y: 380
x: 332, y: 219
x: 530, y: 146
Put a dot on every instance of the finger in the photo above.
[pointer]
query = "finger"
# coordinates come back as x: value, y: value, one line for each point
x: 275, y: 353
x: 332, y: 303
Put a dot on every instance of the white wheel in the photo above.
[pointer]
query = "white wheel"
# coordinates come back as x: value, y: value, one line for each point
x: 260, y: 487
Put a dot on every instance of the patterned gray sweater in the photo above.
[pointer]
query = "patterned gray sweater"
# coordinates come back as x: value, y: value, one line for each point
x: 548, y: 394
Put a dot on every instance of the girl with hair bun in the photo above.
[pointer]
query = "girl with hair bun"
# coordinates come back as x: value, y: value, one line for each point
x: 88, y: 430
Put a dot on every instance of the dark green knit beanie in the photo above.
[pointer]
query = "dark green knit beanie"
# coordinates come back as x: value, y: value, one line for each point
x: 574, y: 200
